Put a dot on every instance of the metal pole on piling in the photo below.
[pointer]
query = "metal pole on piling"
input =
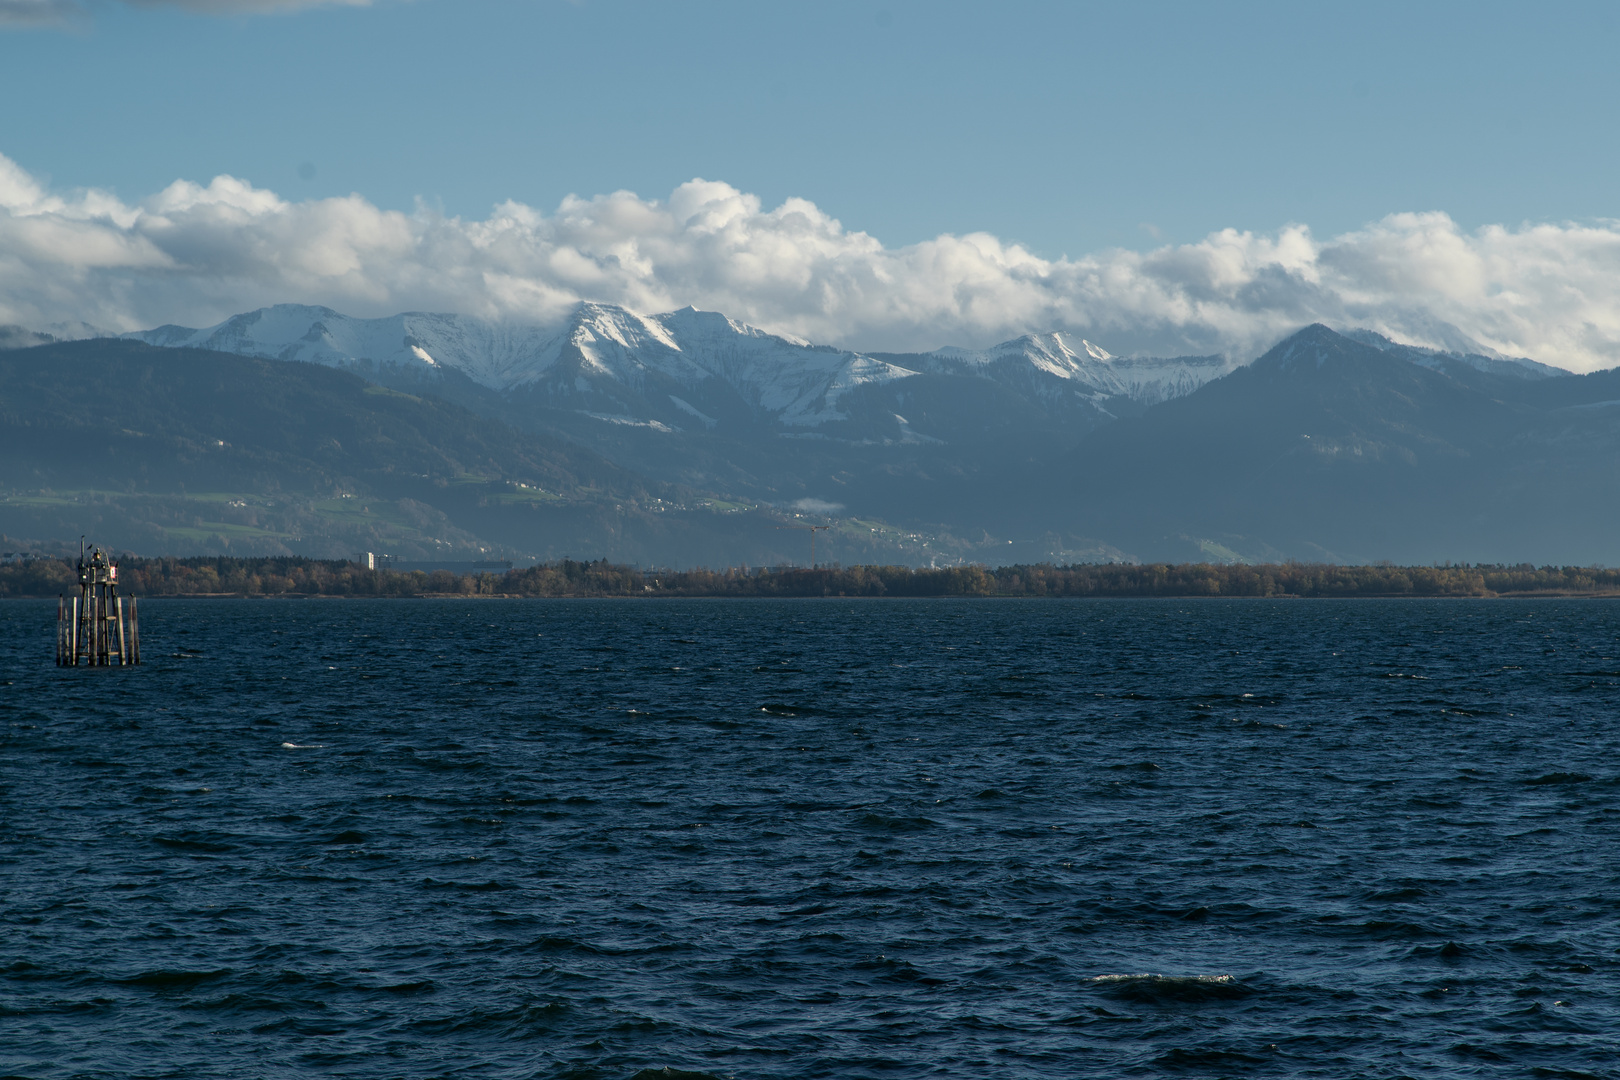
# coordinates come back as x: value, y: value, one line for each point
x: 123, y: 642
x: 73, y: 636
x: 134, y: 633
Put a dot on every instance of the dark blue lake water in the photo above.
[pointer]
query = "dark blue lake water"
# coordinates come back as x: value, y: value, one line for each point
x: 815, y: 839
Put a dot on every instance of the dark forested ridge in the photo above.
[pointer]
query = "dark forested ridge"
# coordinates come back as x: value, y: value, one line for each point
x: 296, y: 577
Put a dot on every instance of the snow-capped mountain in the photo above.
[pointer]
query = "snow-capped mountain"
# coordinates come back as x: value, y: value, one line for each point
x: 603, y: 354
x: 683, y: 366
x: 1048, y: 364
x: 491, y: 354
x: 701, y: 362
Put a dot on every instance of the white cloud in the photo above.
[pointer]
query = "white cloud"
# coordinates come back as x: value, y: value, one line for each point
x: 196, y: 253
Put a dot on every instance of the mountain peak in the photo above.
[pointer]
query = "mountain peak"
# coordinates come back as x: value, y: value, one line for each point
x: 690, y: 320
x: 1314, y: 346
x: 1086, y: 348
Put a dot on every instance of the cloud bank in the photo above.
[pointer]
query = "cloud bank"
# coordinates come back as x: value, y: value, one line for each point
x: 195, y: 254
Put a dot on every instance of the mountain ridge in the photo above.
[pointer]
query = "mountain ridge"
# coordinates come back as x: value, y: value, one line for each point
x: 779, y: 373
x: 182, y: 451
x: 1329, y: 448
x: 1339, y: 446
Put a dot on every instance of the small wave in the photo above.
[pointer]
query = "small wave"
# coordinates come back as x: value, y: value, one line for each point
x: 465, y: 886
x: 1399, y: 893
x: 421, y: 986
x: 551, y: 943
x: 896, y: 971
x: 1560, y: 778
x: 884, y: 823
x: 1155, y: 988
x: 1383, y: 930
x: 173, y: 980
x: 180, y: 843
x: 303, y: 746
x: 447, y: 764
x: 779, y: 709
x: 1207, y: 1058
x: 1449, y: 951
x: 525, y: 1021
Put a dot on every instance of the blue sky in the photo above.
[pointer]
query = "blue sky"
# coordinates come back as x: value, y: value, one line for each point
x: 1064, y: 131
x: 1065, y: 126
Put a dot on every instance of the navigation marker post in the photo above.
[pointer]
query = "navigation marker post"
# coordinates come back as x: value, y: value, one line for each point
x: 91, y: 629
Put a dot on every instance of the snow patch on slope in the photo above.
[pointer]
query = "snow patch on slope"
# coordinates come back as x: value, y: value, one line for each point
x: 609, y: 361
x: 496, y: 355
x: 1079, y: 366
x: 794, y: 381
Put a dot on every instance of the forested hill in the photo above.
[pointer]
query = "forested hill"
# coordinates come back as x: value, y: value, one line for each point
x: 298, y: 577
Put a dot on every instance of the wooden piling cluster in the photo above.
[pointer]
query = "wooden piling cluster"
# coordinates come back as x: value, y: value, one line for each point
x: 91, y: 628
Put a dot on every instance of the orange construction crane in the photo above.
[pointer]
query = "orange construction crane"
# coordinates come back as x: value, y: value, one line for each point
x: 812, y: 530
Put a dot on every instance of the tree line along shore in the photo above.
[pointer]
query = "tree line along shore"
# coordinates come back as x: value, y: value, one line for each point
x: 303, y: 577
